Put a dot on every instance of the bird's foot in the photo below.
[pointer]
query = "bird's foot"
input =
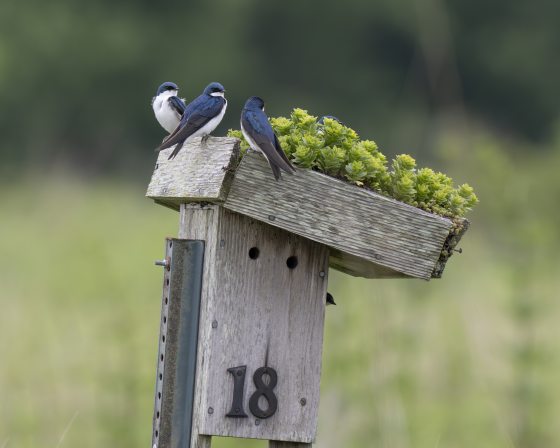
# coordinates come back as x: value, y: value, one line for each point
x: 204, y: 139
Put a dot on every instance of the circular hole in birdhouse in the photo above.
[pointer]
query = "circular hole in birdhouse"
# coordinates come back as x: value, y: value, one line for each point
x: 167, y: 281
x: 159, y: 395
x: 157, y: 433
x: 164, y: 319
x: 292, y: 262
x: 163, y: 338
x: 254, y: 253
x: 157, y: 414
x: 166, y: 300
x: 161, y: 357
x: 160, y: 376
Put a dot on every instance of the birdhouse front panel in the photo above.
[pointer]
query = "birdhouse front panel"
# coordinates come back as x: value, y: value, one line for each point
x: 261, y: 331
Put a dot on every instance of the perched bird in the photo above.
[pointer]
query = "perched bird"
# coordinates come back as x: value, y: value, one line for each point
x: 168, y: 107
x: 321, y: 120
x: 330, y: 299
x: 200, y: 118
x: 260, y: 136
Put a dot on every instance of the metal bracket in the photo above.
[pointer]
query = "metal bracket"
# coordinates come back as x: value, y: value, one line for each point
x: 178, y: 340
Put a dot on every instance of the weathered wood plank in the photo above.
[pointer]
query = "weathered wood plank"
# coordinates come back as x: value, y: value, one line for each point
x: 201, y: 442
x: 256, y: 313
x: 277, y: 444
x: 358, y: 267
x: 198, y: 173
x: 201, y: 223
x: 351, y: 220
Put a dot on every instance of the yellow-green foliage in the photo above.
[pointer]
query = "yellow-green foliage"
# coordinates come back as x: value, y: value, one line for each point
x: 337, y: 150
x: 238, y: 134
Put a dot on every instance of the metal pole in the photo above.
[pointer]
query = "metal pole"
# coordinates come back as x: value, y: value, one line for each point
x: 176, y: 371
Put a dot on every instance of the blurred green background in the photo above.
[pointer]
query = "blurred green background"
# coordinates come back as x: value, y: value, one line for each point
x: 470, y: 88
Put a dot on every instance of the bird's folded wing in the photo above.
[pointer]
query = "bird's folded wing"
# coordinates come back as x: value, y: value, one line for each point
x: 177, y: 104
x: 273, y: 156
x: 282, y: 153
x: 261, y: 132
x: 193, y: 124
x: 190, y: 123
x: 264, y: 137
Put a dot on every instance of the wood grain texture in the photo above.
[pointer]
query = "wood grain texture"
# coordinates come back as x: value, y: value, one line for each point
x: 358, y: 267
x: 376, y: 229
x: 198, y: 173
x: 201, y: 223
x: 278, y: 444
x: 201, y: 441
x: 263, y: 313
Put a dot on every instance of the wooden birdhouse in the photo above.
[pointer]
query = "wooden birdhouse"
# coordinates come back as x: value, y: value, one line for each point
x: 245, y: 282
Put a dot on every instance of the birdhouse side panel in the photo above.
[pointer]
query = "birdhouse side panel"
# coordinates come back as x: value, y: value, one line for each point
x: 346, y: 218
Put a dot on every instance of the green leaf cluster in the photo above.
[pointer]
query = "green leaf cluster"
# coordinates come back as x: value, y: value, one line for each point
x: 336, y: 150
x: 244, y: 146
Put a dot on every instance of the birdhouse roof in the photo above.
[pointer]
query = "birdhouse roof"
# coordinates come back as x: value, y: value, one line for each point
x: 368, y: 234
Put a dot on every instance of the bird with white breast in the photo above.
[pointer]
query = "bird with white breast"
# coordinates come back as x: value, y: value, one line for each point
x: 168, y: 107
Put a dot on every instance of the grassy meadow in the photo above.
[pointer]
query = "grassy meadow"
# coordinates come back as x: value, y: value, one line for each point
x: 471, y: 360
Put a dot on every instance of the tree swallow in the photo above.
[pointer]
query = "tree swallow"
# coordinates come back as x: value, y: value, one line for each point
x: 168, y: 107
x: 200, y: 118
x: 330, y: 299
x: 260, y: 136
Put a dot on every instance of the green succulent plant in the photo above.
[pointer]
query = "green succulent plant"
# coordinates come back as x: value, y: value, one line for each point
x: 336, y: 150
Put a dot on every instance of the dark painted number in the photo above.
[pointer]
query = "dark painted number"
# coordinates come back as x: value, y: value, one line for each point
x: 238, y: 388
x: 264, y: 390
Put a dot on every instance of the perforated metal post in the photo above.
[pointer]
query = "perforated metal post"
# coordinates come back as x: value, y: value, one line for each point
x: 176, y: 367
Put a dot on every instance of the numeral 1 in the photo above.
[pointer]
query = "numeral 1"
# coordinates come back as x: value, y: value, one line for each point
x: 238, y: 388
